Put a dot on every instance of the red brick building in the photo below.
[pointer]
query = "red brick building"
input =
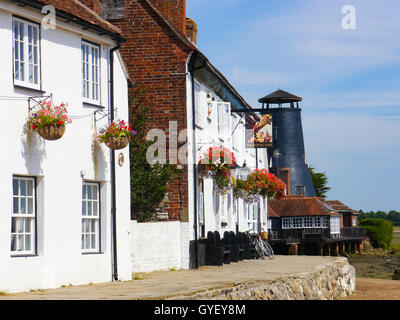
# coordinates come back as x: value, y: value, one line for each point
x: 156, y: 54
x: 161, y: 56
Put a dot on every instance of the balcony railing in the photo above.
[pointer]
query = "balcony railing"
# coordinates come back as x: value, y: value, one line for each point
x: 317, y: 234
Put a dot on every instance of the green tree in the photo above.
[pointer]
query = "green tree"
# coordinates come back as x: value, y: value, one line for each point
x: 394, y: 216
x: 379, y: 231
x: 320, y: 181
x: 149, y: 182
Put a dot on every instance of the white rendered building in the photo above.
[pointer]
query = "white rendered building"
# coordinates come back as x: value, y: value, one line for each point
x: 56, y: 221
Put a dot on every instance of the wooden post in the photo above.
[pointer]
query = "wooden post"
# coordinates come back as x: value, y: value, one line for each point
x: 293, y: 249
x: 319, y: 249
x: 342, y: 248
x: 334, y: 249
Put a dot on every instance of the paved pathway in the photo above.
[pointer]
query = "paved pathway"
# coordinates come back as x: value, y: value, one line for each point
x: 164, y: 284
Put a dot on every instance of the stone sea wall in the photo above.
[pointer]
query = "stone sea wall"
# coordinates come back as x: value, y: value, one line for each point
x: 330, y: 282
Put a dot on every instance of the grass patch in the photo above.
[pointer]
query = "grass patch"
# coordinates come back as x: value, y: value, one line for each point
x: 3, y: 293
x: 138, y: 278
x: 396, y: 238
x: 377, y: 267
x: 172, y: 269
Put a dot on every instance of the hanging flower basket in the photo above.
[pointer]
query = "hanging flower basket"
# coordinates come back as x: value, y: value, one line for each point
x: 260, y: 183
x: 53, y: 132
x: 117, y: 143
x: 216, y: 164
x: 49, y: 121
x: 116, y: 135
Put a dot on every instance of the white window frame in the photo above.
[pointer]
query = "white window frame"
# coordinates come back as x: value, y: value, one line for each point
x: 325, y: 222
x: 234, y: 129
x: 335, y: 224
x: 317, y: 222
x: 23, y: 222
x: 198, y: 116
x: 297, y: 222
x: 252, y: 216
x: 224, y: 120
x: 308, y: 222
x: 286, y: 223
x: 91, y: 72
x: 354, y: 221
x: 90, y: 226
x: 30, y: 50
x: 224, y: 208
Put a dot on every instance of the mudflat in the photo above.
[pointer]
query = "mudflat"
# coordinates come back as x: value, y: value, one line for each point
x: 376, y: 289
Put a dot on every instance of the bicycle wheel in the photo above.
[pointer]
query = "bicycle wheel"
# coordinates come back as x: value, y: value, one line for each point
x: 259, y: 248
x: 269, y: 250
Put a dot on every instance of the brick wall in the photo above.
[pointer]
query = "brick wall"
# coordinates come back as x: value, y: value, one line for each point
x: 156, y: 59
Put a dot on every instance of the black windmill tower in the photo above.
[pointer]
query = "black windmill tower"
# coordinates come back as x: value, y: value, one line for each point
x: 287, y: 151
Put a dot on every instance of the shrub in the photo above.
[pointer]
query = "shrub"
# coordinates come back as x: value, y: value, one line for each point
x: 379, y: 231
x: 149, y: 182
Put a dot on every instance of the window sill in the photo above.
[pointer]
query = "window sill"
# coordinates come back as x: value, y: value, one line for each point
x: 26, y: 255
x: 92, y: 105
x: 20, y: 87
x: 90, y: 253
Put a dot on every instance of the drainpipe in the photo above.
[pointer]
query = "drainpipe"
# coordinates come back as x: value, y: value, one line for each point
x: 192, y: 69
x: 112, y: 165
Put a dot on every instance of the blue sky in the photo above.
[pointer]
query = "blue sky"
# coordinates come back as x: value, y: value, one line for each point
x: 349, y: 81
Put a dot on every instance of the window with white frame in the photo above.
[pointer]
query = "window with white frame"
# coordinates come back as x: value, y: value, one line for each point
x: 298, y: 222
x: 354, y: 222
x: 308, y: 222
x: 26, y: 53
x: 286, y: 223
x: 252, y: 216
x: 198, y: 114
x: 335, y: 224
x: 229, y: 203
x: 269, y: 224
x: 224, y: 119
x: 317, y: 222
x: 90, y: 72
x: 23, y: 216
x: 223, y: 203
x: 234, y: 130
x: 90, y: 217
x: 325, y: 222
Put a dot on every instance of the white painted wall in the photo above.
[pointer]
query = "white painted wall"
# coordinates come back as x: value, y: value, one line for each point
x: 57, y: 165
x: 206, y: 136
x: 159, y: 246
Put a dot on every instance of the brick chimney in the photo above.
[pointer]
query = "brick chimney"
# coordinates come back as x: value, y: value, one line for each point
x: 284, y: 175
x: 191, y: 30
x: 92, y: 4
x: 174, y: 11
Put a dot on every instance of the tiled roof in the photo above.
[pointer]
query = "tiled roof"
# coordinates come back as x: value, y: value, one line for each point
x: 339, y: 206
x: 78, y: 10
x: 305, y: 206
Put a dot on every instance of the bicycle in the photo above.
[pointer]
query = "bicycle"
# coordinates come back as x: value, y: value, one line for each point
x: 262, y: 247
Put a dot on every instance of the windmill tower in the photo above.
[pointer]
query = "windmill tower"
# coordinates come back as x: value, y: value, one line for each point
x: 287, y: 154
